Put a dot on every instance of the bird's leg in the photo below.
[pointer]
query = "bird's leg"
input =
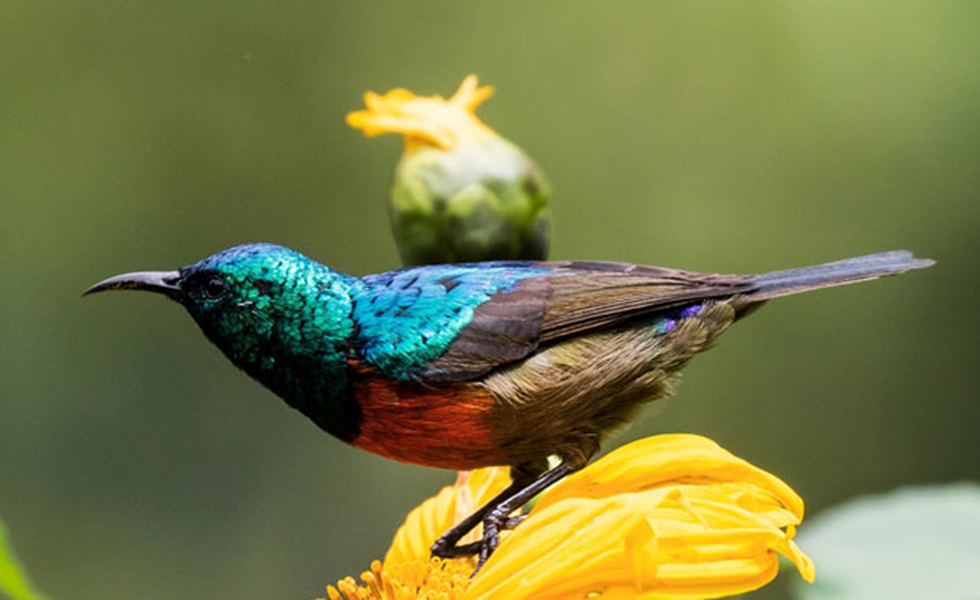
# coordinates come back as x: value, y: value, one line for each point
x: 498, y: 516
x: 445, y: 546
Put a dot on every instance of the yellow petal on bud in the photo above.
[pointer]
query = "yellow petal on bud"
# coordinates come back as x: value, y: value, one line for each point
x: 470, y: 95
x: 425, y: 120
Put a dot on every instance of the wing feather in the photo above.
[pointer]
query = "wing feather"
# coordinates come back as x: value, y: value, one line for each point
x: 573, y: 298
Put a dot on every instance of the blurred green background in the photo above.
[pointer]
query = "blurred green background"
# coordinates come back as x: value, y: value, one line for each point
x: 736, y: 137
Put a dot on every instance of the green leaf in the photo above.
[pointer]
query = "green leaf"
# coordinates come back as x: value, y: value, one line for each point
x: 916, y: 542
x: 13, y: 581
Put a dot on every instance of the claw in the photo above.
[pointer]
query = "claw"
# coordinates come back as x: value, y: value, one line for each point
x: 513, y: 522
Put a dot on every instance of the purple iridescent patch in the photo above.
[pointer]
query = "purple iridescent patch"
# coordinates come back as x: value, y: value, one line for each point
x: 691, y: 311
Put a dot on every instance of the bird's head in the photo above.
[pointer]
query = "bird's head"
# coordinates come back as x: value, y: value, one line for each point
x: 247, y: 298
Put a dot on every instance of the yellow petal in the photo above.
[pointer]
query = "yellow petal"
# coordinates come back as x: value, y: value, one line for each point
x: 422, y: 120
x: 470, y: 95
x: 633, y: 541
x: 666, y: 459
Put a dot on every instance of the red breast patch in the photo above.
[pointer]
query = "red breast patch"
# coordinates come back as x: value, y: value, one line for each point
x: 442, y: 425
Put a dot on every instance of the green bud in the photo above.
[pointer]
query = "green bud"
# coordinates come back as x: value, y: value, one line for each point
x: 483, y: 200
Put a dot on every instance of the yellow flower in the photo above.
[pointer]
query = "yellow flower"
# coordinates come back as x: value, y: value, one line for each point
x: 671, y: 516
x: 460, y: 192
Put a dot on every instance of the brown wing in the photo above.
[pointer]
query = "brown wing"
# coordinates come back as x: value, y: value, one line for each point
x: 572, y: 299
x: 592, y: 295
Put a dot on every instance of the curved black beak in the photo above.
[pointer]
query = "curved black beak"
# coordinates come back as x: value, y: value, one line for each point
x: 161, y: 282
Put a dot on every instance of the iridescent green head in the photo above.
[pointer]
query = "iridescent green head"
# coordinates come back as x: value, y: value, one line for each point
x: 256, y: 302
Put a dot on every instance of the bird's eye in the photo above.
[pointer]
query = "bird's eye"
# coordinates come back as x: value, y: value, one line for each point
x: 215, y: 287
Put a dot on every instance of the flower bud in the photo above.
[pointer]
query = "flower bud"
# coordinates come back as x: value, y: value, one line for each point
x: 461, y: 192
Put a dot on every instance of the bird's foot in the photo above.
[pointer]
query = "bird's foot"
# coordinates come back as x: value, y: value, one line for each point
x: 496, y: 516
x: 496, y: 521
x: 492, y: 526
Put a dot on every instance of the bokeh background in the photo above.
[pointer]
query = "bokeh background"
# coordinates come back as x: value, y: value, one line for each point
x: 736, y: 137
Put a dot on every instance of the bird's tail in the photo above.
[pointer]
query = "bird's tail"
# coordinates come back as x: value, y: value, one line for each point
x: 851, y: 270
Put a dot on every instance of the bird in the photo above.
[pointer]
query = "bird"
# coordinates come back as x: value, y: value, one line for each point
x: 461, y: 366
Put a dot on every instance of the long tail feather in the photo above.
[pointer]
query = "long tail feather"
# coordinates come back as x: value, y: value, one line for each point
x: 851, y: 270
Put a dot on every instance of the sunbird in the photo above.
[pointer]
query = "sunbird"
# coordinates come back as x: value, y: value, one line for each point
x: 461, y: 366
